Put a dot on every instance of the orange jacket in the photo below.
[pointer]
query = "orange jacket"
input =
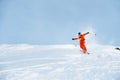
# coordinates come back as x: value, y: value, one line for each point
x: 81, y: 37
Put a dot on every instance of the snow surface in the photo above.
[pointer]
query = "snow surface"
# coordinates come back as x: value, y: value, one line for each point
x: 59, y: 62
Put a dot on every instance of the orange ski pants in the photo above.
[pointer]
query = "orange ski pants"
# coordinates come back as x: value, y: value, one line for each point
x: 82, y: 46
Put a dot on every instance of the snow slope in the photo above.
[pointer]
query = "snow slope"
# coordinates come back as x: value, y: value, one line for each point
x: 58, y: 62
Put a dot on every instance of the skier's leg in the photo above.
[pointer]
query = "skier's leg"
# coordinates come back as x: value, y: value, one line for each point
x: 82, y: 46
x: 85, y: 50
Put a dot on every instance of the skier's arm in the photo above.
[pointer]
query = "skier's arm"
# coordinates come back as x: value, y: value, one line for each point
x: 75, y: 38
x: 86, y: 33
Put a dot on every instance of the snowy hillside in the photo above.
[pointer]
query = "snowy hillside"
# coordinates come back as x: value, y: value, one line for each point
x: 58, y: 62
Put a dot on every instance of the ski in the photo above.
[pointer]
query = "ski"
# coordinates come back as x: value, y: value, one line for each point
x: 85, y: 52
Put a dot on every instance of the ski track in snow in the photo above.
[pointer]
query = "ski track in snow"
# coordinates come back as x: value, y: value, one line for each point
x: 58, y: 62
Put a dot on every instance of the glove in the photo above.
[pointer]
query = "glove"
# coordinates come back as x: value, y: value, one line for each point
x: 73, y: 39
x: 87, y: 32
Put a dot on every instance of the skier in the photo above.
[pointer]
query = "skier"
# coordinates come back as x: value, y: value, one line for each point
x: 81, y: 38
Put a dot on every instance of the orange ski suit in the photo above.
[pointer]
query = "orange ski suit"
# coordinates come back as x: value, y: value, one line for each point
x: 81, y: 38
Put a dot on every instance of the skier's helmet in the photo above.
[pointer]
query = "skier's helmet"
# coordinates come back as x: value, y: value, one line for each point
x: 79, y: 33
